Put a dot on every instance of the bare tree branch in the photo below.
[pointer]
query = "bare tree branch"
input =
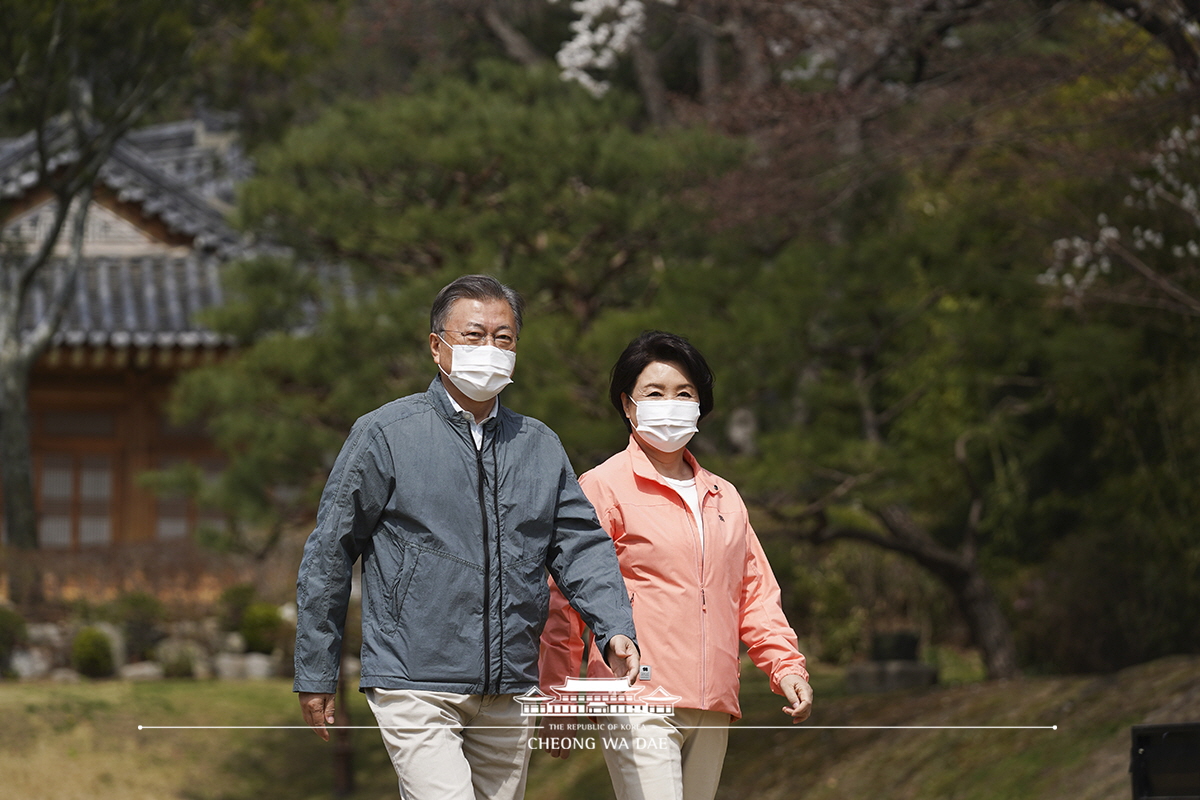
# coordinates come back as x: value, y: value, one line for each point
x: 515, y: 43
x: 1170, y: 32
x: 39, y: 338
x: 34, y: 262
x: 650, y: 82
x: 890, y: 413
x: 1155, y: 278
x: 1158, y: 303
x: 975, y: 511
x: 818, y: 507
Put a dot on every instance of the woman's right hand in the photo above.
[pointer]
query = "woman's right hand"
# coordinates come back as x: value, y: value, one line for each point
x: 799, y: 695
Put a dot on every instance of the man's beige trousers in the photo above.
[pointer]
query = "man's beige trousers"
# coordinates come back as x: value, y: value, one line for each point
x: 448, y: 746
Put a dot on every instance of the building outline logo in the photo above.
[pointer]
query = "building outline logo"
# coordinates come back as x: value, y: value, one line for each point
x: 597, y: 697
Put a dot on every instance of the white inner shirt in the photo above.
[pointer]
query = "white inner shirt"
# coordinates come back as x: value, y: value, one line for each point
x: 687, y: 490
x: 476, y: 427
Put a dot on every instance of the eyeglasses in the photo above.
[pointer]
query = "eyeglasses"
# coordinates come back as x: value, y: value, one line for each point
x: 505, y: 341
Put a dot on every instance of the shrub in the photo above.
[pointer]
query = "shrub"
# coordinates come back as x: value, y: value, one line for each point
x: 179, y: 665
x: 261, y: 627
x: 179, y: 658
x: 1107, y: 599
x: 140, y: 615
x: 12, y: 633
x: 234, y: 602
x: 91, y: 654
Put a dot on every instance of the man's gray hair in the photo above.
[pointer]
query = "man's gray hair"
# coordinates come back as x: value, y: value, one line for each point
x: 473, y: 287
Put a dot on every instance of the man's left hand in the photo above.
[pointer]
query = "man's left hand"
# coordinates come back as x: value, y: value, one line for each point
x: 622, y: 657
x: 799, y: 695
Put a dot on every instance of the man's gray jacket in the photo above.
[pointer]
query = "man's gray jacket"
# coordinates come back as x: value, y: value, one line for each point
x: 455, y: 543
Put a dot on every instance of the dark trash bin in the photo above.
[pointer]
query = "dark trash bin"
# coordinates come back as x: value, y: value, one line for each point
x: 1165, y: 761
x: 895, y: 646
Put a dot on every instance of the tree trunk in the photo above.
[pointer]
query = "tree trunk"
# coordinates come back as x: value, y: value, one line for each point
x: 16, y: 477
x: 708, y: 63
x: 989, y: 627
x: 515, y: 43
x: 960, y: 574
x: 19, y: 350
x: 756, y: 71
x: 977, y: 603
x: 650, y: 82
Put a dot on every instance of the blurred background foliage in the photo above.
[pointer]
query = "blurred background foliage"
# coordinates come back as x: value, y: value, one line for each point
x: 912, y: 401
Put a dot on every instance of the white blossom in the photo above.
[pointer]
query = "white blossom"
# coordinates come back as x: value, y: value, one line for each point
x: 1168, y: 188
x: 605, y: 30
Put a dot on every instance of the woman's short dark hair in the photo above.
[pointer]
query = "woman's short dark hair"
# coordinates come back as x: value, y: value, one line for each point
x: 473, y: 287
x: 652, y: 346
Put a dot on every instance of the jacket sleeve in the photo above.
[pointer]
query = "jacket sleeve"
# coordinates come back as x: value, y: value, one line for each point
x: 583, y: 563
x: 561, y: 654
x: 764, y: 629
x: 351, y: 504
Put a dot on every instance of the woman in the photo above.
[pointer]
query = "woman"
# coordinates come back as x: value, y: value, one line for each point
x: 697, y: 579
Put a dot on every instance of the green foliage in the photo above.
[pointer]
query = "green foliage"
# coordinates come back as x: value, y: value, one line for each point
x: 261, y: 627
x: 263, y: 60
x: 514, y: 168
x: 233, y: 604
x: 874, y: 358
x: 838, y: 595
x: 904, y: 355
x: 179, y: 665
x: 118, y: 48
x: 921, y: 361
x: 1124, y: 593
x: 141, y: 616
x: 1130, y: 509
x: 112, y: 62
x: 955, y: 665
x: 12, y: 633
x: 91, y: 654
x: 514, y: 173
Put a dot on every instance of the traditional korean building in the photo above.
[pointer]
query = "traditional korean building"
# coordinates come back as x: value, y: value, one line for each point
x: 597, y: 697
x: 156, y: 239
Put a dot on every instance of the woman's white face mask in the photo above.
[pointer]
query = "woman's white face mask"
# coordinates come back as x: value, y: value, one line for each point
x: 479, y: 371
x: 667, y: 425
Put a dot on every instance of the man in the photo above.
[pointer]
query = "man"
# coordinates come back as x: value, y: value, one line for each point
x: 457, y: 507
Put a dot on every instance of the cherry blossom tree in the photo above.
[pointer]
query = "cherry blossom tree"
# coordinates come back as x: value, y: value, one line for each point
x: 1146, y: 252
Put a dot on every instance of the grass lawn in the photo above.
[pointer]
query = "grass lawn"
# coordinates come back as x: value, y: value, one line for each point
x: 81, y: 741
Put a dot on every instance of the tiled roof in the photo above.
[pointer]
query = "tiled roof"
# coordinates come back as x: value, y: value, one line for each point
x: 136, y: 302
x: 179, y: 173
x: 200, y: 154
x: 156, y: 169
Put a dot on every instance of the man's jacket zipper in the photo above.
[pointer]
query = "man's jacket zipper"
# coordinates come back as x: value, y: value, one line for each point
x: 487, y: 578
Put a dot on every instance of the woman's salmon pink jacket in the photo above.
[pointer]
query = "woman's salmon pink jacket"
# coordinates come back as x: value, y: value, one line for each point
x: 693, y: 601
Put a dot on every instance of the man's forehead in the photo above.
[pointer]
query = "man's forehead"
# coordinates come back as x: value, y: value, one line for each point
x: 467, y: 311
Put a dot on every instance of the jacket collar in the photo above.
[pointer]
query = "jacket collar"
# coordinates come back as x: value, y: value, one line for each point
x: 439, y: 398
x: 643, y: 468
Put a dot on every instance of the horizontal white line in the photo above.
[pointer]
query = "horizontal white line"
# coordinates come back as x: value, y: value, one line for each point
x: 585, y: 729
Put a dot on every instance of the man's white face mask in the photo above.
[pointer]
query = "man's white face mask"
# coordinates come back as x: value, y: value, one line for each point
x: 667, y: 425
x: 479, y: 371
